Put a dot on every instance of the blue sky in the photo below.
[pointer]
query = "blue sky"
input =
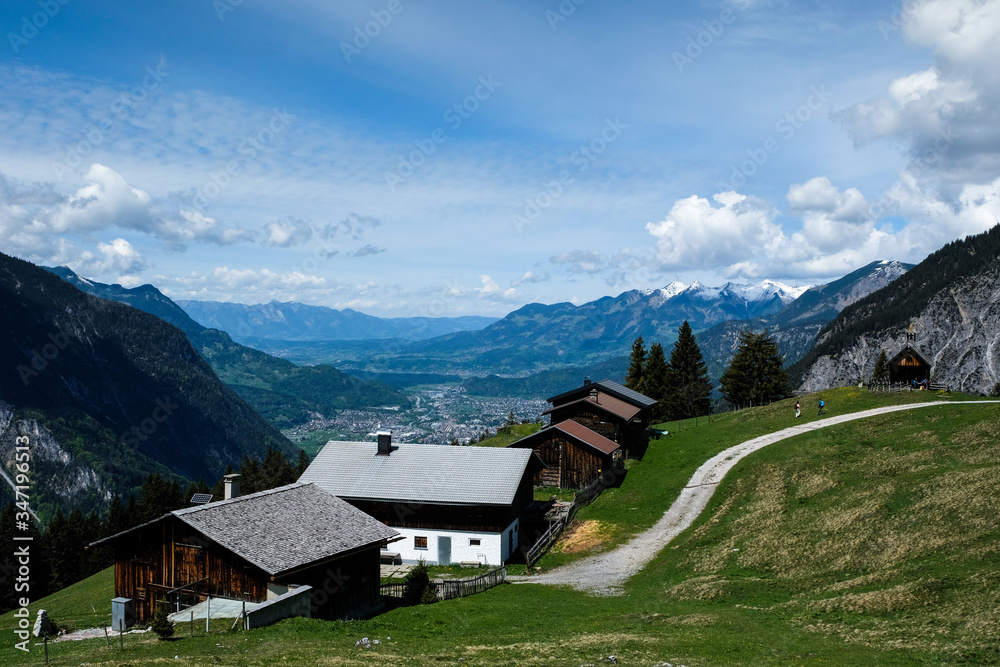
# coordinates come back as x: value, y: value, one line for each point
x: 408, y: 157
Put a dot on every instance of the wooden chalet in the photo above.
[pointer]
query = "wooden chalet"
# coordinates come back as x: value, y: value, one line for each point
x: 254, y: 548
x: 451, y: 504
x: 908, y: 366
x: 614, y: 411
x: 574, y: 456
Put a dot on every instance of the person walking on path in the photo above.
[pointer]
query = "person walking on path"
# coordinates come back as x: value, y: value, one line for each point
x: 821, y: 406
x: 798, y: 409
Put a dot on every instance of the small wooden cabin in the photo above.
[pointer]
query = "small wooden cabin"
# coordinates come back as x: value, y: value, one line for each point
x: 612, y: 410
x: 254, y: 548
x: 908, y: 366
x: 574, y: 456
x: 450, y: 504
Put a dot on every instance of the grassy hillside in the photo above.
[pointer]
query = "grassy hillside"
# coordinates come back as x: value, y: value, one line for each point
x: 867, y: 543
x: 508, y: 434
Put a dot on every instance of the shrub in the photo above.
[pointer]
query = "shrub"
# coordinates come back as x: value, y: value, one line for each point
x: 161, y: 624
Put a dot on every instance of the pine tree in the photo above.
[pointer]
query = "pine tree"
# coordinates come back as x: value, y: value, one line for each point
x: 656, y: 381
x: 691, y: 390
x: 636, y: 365
x: 301, y: 464
x: 880, y: 374
x: 756, y: 373
x: 161, y: 624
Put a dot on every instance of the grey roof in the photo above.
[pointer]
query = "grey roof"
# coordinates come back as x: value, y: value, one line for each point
x: 437, y: 474
x: 627, y: 394
x: 286, y: 528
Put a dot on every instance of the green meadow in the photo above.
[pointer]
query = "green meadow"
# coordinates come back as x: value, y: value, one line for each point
x: 874, y: 542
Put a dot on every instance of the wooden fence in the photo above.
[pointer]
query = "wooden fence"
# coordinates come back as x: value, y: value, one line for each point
x: 583, y: 497
x: 404, y: 595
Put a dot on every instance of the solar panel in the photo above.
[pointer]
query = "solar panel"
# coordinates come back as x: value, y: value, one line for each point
x: 201, y: 498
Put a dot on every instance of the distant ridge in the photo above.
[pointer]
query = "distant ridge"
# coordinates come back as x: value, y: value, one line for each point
x: 292, y: 321
x: 285, y: 394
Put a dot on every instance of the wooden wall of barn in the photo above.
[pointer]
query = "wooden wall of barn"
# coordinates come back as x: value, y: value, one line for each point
x: 568, y: 464
x: 168, y: 555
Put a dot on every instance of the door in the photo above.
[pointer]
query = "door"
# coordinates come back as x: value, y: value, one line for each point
x: 444, y: 551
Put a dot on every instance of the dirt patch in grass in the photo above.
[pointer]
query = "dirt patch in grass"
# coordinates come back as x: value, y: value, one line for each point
x: 582, y: 536
x: 809, y: 484
x: 892, y: 599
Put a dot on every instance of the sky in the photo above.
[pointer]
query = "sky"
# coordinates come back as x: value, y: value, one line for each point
x: 446, y: 158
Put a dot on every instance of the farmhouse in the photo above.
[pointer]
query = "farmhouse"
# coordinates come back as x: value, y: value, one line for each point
x: 451, y: 504
x: 254, y: 548
x: 574, y: 456
x: 618, y: 413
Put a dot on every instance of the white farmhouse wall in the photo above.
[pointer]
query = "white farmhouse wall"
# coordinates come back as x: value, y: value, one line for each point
x: 492, y: 548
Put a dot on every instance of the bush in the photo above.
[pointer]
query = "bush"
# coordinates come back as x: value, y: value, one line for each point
x: 161, y: 624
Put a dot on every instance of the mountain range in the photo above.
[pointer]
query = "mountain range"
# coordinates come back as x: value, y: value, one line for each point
x: 947, y: 308
x: 284, y: 393
x: 300, y: 322
x: 106, y: 394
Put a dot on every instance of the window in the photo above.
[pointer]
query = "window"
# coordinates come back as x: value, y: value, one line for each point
x: 419, y: 542
x: 474, y: 542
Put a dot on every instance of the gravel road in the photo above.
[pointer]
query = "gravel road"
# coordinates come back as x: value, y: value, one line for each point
x: 604, y: 574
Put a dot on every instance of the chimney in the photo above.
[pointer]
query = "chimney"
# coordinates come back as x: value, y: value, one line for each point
x: 586, y: 381
x: 232, y: 484
x: 384, y: 443
x: 594, y: 396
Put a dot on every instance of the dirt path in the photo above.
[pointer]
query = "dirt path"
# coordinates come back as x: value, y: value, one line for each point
x: 604, y: 574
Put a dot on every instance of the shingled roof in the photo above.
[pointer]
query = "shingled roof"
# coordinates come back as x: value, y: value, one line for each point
x: 282, y: 529
x: 604, y: 402
x: 574, y: 430
x: 434, y: 474
x: 608, y: 387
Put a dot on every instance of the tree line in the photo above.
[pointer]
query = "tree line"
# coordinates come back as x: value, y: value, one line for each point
x: 59, y: 553
x: 681, y: 386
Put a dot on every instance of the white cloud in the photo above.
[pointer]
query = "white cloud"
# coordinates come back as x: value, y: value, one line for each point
x: 944, y: 116
x: 831, y: 220
x: 287, y: 233
x: 261, y: 280
x: 698, y: 235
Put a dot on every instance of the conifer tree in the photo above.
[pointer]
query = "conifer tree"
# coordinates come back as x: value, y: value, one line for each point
x: 691, y: 390
x: 636, y: 365
x: 880, y: 374
x: 756, y: 373
x: 656, y: 381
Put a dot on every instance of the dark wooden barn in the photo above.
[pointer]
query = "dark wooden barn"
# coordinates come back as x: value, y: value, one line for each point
x: 574, y: 456
x: 254, y: 548
x: 609, y: 409
x: 908, y: 366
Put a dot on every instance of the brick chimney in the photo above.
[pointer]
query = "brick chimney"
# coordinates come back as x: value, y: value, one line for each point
x: 232, y: 486
x: 384, y: 443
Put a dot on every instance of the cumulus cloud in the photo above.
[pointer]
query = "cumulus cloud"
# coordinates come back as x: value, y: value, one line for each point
x: 32, y: 217
x: 287, y: 233
x: 264, y: 279
x: 699, y: 235
x: 831, y: 220
x: 531, y: 277
x: 944, y: 116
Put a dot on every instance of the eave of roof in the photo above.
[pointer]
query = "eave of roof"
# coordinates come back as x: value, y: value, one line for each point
x: 574, y: 430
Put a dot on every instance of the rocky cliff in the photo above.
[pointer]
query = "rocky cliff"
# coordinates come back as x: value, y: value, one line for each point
x: 957, y: 325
